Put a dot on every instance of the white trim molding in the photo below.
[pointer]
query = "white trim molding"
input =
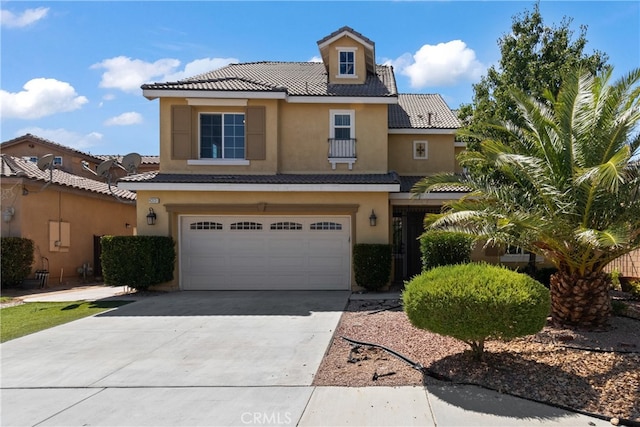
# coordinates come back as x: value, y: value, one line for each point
x: 311, y: 188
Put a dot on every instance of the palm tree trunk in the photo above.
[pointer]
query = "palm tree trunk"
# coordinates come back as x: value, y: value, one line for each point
x: 580, y: 301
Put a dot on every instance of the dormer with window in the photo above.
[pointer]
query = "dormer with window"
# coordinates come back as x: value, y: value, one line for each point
x: 348, y: 56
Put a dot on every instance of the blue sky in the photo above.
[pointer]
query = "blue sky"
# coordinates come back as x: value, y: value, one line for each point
x: 71, y: 71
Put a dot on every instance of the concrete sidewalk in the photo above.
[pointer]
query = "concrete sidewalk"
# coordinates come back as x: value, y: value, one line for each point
x: 222, y: 359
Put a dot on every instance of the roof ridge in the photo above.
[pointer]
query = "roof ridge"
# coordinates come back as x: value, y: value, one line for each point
x: 46, y: 141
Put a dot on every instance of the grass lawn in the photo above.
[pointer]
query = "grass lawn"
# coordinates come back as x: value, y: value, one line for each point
x: 31, y: 317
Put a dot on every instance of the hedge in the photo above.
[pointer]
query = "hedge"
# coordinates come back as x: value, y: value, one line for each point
x: 445, y: 248
x: 16, y: 255
x: 372, y: 265
x: 137, y: 261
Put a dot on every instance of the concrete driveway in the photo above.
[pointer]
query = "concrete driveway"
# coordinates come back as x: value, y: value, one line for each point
x: 184, y: 358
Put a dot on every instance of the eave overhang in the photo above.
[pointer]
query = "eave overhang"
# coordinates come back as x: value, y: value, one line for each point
x: 312, y: 188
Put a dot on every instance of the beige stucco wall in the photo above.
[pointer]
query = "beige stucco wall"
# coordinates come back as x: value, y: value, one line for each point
x: 88, y: 214
x: 267, y: 166
x: 361, y: 71
x: 265, y: 203
x: 441, y: 154
x: 296, y: 138
x: 305, y: 130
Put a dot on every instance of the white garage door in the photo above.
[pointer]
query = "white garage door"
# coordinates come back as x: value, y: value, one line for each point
x: 265, y: 252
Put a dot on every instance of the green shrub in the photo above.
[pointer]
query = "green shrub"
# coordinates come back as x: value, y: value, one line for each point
x: 615, y: 280
x: 137, y: 261
x: 445, y: 248
x: 372, y: 265
x: 16, y: 255
x: 474, y: 302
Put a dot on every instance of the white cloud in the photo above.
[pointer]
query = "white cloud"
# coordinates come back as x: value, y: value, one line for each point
x: 128, y: 74
x: 26, y: 18
x: 315, y: 59
x: 445, y: 64
x: 199, y: 66
x: 41, y: 97
x: 65, y: 137
x: 124, y: 119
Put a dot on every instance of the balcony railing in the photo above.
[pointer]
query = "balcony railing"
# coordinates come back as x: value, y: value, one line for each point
x: 342, y: 151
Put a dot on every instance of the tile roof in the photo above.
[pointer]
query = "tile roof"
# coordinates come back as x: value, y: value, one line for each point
x: 146, y: 160
x: 349, y: 30
x: 44, y: 141
x: 292, y: 78
x: 156, y: 177
x: 14, y: 167
x: 412, y: 112
x: 407, y: 183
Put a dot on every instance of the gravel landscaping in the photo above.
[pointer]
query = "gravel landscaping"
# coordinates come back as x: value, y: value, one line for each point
x: 592, y: 372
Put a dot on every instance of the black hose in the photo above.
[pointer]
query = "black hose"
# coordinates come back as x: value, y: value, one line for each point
x: 428, y: 372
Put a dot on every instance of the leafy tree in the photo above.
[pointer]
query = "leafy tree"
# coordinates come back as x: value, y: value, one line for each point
x: 566, y: 187
x: 534, y: 57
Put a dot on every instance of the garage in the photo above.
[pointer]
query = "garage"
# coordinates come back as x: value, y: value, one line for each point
x: 265, y: 252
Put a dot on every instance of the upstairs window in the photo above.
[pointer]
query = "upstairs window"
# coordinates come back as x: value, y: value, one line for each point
x: 346, y: 63
x: 57, y: 161
x: 222, y: 136
x: 342, y: 124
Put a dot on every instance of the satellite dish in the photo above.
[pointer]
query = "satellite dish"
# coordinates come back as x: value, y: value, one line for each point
x: 104, y: 168
x: 131, y: 161
x: 45, y: 162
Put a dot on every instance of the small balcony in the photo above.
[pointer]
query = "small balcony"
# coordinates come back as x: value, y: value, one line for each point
x: 342, y: 151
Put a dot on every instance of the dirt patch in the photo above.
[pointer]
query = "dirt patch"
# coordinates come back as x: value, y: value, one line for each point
x: 595, y: 372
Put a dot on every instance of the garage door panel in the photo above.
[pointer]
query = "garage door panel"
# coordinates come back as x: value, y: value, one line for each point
x: 265, y: 252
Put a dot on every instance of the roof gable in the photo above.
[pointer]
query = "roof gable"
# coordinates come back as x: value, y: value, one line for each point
x: 368, y: 45
x: 29, y: 138
x: 14, y: 167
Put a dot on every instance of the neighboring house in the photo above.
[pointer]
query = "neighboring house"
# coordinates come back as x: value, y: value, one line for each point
x: 31, y: 147
x: 270, y: 172
x: 64, y: 214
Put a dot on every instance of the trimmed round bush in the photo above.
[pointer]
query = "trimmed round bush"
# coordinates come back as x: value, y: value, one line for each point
x: 474, y: 302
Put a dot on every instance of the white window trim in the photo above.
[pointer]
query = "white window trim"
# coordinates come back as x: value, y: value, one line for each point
x: 333, y: 114
x: 520, y: 256
x: 219, y: 161
x: 426, y: 150
x: 56, y: 163
x: 347, y: 49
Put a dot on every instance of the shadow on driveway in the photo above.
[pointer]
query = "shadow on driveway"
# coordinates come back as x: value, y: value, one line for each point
x: 235, y: 303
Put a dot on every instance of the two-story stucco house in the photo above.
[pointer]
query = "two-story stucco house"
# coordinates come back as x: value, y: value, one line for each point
x: 270, y: 172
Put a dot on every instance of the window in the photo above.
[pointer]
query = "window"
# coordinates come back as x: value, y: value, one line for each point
x: 286, y: 226
x: 346, y: 63
x: 32, y: 159
x: 222, y: 136
x: 420, y: 150
x: 326, y: 226
x: 205, y: 225
x: 246, y: 225
x: 57, y: 161
x: 342, y: 124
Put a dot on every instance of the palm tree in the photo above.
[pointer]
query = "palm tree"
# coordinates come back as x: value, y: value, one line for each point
x: 565, y: 185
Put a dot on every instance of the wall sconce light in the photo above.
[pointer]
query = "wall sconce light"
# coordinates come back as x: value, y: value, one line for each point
x: 8, y: 213
x: 373, y: 218
x: 127, y: 225
x: 151, y: 217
